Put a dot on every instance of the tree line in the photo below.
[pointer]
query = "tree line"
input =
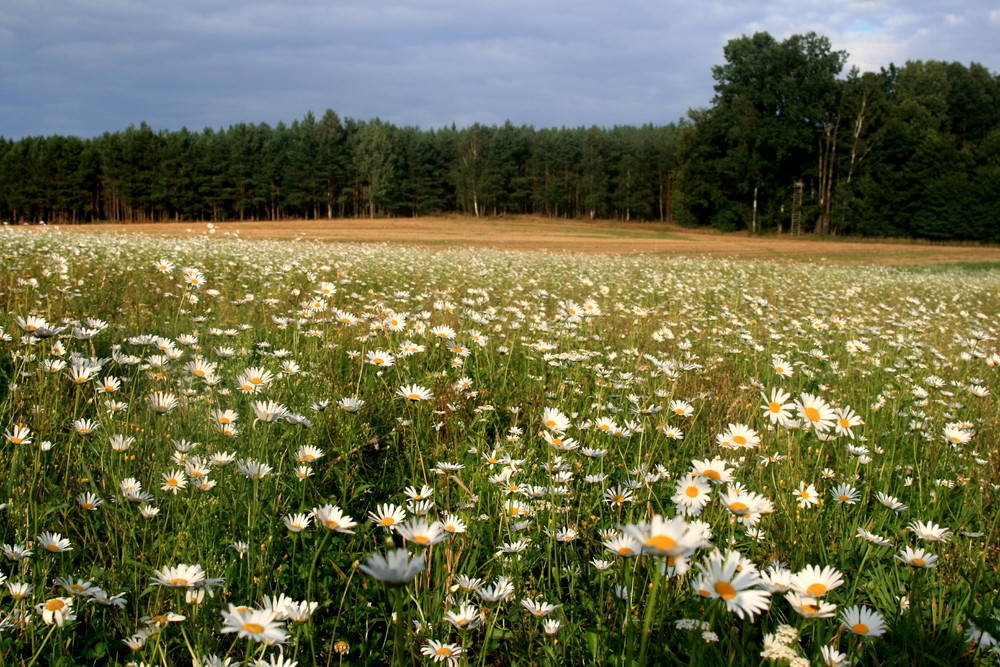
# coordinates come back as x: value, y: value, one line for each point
x: 788, y: 144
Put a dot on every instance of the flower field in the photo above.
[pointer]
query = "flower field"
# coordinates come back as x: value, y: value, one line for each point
x: 230, y: 452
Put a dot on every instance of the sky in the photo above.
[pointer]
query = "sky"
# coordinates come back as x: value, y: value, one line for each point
x: 85, y: 67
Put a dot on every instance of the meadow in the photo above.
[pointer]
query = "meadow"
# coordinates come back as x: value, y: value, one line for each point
x: 224, y: 451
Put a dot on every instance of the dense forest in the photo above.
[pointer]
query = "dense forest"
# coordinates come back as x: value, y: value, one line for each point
x: 790, y: 143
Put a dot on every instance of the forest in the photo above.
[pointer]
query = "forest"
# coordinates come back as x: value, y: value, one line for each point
x: 790, y: 143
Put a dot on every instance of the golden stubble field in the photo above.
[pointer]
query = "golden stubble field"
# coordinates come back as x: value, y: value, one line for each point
x: 532, y: 233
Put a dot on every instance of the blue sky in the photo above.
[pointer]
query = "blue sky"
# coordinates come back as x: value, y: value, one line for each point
x: 83, y: 67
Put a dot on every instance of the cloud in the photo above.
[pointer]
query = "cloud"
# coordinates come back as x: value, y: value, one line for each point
x: 88, y: 66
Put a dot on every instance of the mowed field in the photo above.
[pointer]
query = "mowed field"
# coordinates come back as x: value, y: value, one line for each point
x: 532, y: 233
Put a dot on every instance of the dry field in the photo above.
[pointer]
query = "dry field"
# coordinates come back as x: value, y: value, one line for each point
x: 530, y: 233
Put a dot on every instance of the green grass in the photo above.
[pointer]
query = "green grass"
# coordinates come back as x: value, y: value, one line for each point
x: 609, y: 342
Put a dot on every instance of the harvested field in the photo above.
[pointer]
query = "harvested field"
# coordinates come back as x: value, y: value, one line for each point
x: 529, y: 233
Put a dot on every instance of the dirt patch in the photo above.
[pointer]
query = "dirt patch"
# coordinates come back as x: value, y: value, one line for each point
x: 531, y: 233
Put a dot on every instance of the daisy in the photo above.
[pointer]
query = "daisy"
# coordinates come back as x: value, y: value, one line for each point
x: 109, y: 385
x: 296, y: 523
x: 161, y: 402
x: 917, y: 557
x: 834, y: 658
x: 179, y: 576
x: 18, y: 435
x: 538, y: 608
x: 891, y: 502
x: 453, y: 524
x: 387, y: 516
x: 863, y: 621
x: 253, y: 469
x: 256, y: 624
x: 351, y: 403
x: 500, y: 589
x: 89, y: 500
x: 810, y: 607
x: 739, y: 436
x: 56, y: 610
x: 816, y: 413
x: 816, y: 582
x: 422, y: 532
x: 423, y: 493
x: 715, y: 470
x: 662, y: 537
x: 931, y: 532
x: 691, y: 494
x: 681, y: 408
x: 467, y: 617
x: 269, y: 412
x: 778, y: 407
x: 618, y: 495
x: 395, y: 568
x: 54, y: 542
x: 332, y: 518
x: 846, y: 420
x: 623, y: 545
x: 746, y: 505
x: 174, y: 481
x: 442, y: 652
x: 781, y: 366
x: 413, y: 392
x: 308, y: 454
x: 845, y: 494
x: 871, y: 537
x: 806, y: 496
x: 721, y: 578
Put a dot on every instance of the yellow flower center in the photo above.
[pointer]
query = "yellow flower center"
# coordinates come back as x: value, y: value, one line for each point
x: 779, y: 369
x: 712, y: 474
x: 200, y: 373
x: 256, y: 381
x: 625, y: 551
x: 661, y: 542
x: 725, y: 590
x: 388, y: 521
x: 774, y: 407
x: 444, y: 650
x: 178, y: 582
x: 52, y: 547
x: 413, y: 397
x: 55, y: 604
x: 330, y: 523
x: 421, y: 539
x: 172, y: 482
x: 844, y: 499
x: 812, y: 414
x: 691, y: 492
x: 255, y: 628
x: 918, y: 562
x: 845, y: 423
x: 739, y: 440
x: 739, y: 507
x: 860, y: 629
x: 816, y: 589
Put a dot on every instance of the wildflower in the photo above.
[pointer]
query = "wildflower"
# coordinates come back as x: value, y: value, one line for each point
x: 56, y: 610
x: 806, y: 496
x: 891, y: 502
x: 296, y: 523
x: 816, y: 582
x: 916, y: 557
x: 179, y: 576
x: 442, y: 652
x: 269, y: 411
x: 846, y: 420
x: 930, y: 532
x: 691, y: 494
x: 863, y: 621
x: 844, y: 494
x: 18, y: 435
x: 253, y: 469
x: 387, y: 516
x: 54, y: 542
x: 85, y: 426
x: 413, y: 392
x: 538, y: 608
x: 661, y: 537
x: 161, y: 402
x: 256, y: 624
x: 616, y: 496
x: 395, y: 569
x: 332, y: 518
x: 833, y: 658
x: 466, y: 618
x: 873, y: 538
x: 715, y: 470
x: 721, y: 578
x: 422, y: 532
x: 816, y: 413
x: 89, y: 500
x: 308, y: 454
x: 174, y: 481
x: 351, y: 403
